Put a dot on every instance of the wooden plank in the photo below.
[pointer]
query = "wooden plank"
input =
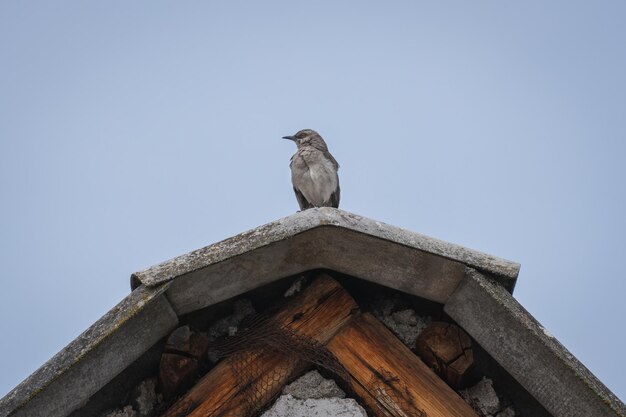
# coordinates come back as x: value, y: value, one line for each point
x: 390, y: 379
x: 318, y: 313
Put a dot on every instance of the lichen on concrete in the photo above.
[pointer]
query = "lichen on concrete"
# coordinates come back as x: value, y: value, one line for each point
x: 323, y: 217
x: 480, y: 305
x: 145, y: 313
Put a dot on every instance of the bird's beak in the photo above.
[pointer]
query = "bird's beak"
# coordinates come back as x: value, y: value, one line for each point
x: 289, y: 137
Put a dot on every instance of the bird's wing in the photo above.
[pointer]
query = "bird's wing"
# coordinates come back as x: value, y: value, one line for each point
x: 332, y: 159
x: 302, y: 202
x: 334, y: 197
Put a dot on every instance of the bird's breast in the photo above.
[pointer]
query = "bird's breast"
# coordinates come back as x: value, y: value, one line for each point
x: 314, y: 175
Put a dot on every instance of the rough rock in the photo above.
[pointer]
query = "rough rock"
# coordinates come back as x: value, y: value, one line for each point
x: 124, y: 412
x: 312, y: 395
x: 408, y: 317
x: 184, y: 357
x: 313, y: 385
x: 225, y: 325
x: 145, y: 397
x: 403, y: 322
x: 176, y: 374
x: 295, y: 288
x: 507, y: 412
x: 288, y: 406
x: 229, y: 325
x: 482, y: 397
x: 142, y: 403
x: 188, y: 342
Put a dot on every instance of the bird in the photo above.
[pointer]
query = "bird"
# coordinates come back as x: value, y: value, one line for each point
x: 313, y: 171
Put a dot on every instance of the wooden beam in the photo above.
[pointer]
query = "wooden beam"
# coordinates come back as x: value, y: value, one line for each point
x: 317, y: 313
x: 447, y: 350
x: 388, y: 378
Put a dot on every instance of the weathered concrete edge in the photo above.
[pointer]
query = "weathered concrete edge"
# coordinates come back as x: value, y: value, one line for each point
x: 81, y: 348
x: 510, y: 334
x: 505, y: 271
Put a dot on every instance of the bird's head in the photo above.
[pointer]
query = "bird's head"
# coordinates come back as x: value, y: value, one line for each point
x: 308, y: 137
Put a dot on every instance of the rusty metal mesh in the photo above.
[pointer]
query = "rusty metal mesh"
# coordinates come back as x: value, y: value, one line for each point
x: 266, y: 355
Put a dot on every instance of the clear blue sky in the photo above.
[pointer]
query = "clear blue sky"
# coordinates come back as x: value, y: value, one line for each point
x: 132, y: 132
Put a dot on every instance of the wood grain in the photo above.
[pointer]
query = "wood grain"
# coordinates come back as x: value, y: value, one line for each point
x: 388, y: 378
x: 447, y: 350
x: 318, y: 312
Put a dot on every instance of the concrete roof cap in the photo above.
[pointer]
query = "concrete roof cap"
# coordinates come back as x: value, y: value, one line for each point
x: 328, y: 250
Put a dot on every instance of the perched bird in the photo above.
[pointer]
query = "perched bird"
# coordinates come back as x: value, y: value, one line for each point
x: 313, y: 171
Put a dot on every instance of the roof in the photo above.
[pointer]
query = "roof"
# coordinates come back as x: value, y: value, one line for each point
x: 474, y: 288
x: 321, y: 238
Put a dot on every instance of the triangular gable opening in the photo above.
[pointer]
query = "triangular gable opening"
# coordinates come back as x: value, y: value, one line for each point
x: 362, y: 336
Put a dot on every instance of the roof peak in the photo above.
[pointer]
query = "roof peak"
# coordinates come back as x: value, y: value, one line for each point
x: 321, y: 238
x: 504, y: 271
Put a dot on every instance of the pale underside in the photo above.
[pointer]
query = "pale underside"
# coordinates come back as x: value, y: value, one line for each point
x: 315, y: 176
